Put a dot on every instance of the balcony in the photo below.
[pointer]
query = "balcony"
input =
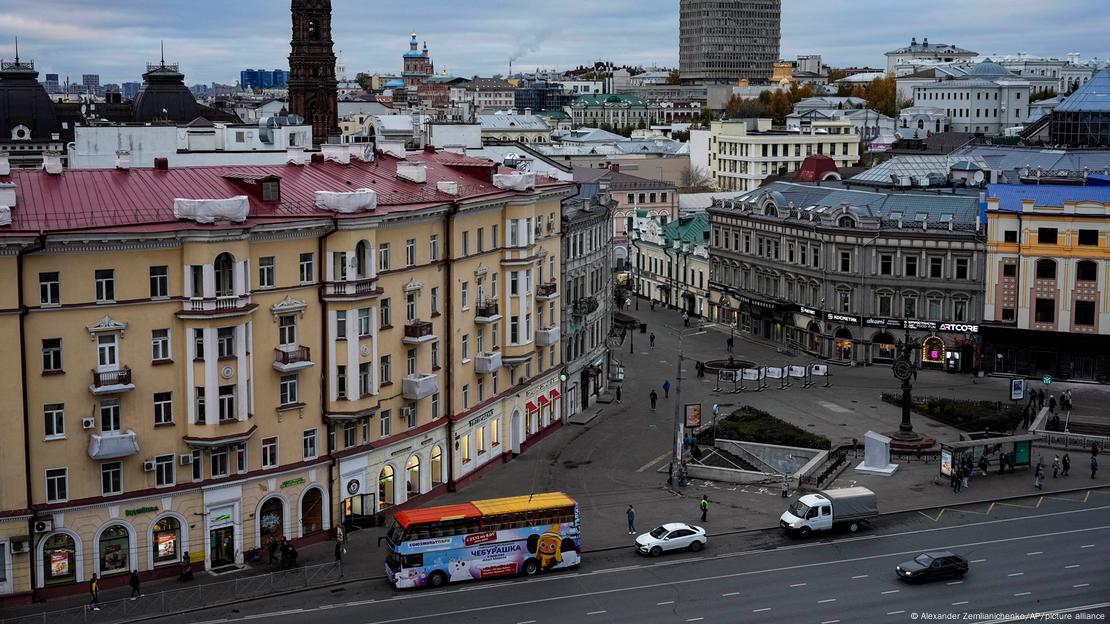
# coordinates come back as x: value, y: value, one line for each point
x: 546, y: 291
x: 417, y: 332
x: 547, y: 336
x: 419, y: 386
x: 113, y: 445
x: 218, y: 306
x: 291, y: 358
x: 352, y: 290
x: 486, y: 363
x: 111, y: 382
x: 487, y: 311
x: 585, y: 306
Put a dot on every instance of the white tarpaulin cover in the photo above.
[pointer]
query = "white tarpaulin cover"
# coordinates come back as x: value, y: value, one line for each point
x: 362, y: 199
x: 774, y: 372
x: 819, y: 369
x: 797, y: 371
x: 208, y: 210
x: 753, y: 373
x: 113, y: 446
x: 514, y: 181
x: 5, y: 216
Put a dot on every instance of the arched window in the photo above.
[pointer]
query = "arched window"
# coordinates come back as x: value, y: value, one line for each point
x: 225, y: 275
x: 846, y: 222
x: 271, y: 520
x: 769, y: 210
x: 920, y: 124
x: 59, y: 559
x: 437, y: 466
x: 412, y: 477
x: 1086, y: 271
x: 115, y: 549
x: 165, y: 539
x: 1046, y: 269
x: 385, y: 488
x: 312, y: 511
x: 362, y: 259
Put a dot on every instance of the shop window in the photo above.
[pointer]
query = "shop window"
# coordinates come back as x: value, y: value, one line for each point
x: 1046, y: 269
x: 412, y: 477
x: 59, y: 559
x: 437, y: 466
x: 312, y: 511
x: 166, y: 541
x: 115, y: 546
x: 271, y: 520
x: 932, y: 351
x: 385, y: 488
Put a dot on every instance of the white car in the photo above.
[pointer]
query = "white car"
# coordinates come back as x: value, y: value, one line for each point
x: 672, y: 536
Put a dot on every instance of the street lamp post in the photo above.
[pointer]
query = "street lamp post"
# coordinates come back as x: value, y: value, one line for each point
x: 904, y: 370
x: 676, y: 463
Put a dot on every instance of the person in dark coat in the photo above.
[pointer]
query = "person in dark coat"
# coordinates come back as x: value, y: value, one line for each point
x: 1066, y: 464
x: 134, y: 583
x: 271, y: 550
x: 1094, y: 466
x: 704, y: 504
x: 94, y: 591
x: 666, y: 389
x: 654, y: 399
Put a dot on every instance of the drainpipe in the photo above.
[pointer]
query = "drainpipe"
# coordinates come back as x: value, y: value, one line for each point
x: 449, y: 327
x: 40, y: 243
x: 325, y: 357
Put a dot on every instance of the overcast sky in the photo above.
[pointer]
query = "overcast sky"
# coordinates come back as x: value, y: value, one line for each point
x: 213, y: 39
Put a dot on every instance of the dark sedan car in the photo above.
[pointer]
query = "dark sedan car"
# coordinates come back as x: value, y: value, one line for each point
x: 932, y: 565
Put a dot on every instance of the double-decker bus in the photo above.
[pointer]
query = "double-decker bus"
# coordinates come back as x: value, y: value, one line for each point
x: 483, y: 539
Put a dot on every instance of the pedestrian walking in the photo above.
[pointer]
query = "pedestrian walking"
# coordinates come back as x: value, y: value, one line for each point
x: 958, y: 479
x: 1066, y: 463
x: 983, y: 464
x: 785, y: 487
x: 666, y: 389
x: 704, y: 504
x: 651, y: 340
x: 652, y: 305
x: 94, y: 591
x: 618, y: 394
x: 654, y: 399
x: 631, y: 513
x: 1094, y: 466
x: 338, y: 551
x: 134, y: 583
x: 686, y: 319
x: 271, y: 550
x: 729, y: 343
x: 186, y: 568
x: 1055, y: 466
x: 1038, y: 473
x: 1052, y: 403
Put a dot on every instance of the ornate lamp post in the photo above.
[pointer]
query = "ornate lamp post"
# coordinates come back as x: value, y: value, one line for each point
x: 906, y: 439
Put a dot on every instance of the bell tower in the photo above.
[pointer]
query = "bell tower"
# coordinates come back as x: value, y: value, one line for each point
x: 313, y: 90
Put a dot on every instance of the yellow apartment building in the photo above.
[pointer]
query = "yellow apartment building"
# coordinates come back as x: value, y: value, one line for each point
x: 215, y: 357
x: 742, y: 152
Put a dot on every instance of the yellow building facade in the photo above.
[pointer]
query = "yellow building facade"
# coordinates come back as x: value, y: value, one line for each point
x: 743, y: 152
x: 344, y: 338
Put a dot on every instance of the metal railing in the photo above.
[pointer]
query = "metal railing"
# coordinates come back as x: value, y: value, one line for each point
x: 292, y: 356
x: 189, y: 598
x: 119, y: 377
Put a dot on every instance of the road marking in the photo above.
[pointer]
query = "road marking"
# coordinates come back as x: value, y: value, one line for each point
x: 527, y: 622
x: 859, y: 576
x: 1042, y: 614
x: 730, y: 594
x: 895, y: 612
x: 954, y: 583
x: 1022, y: 594
x: 695, y: 619
x: 798, y: 585
x: 1071, y: 567
x: 978, y: 560
x: 666, y: 602
x: 1016, y: 574
x: 761, y: 610
x: 830, y: 622
x: 833, y: 407
x: 956, y: 604
x: 1087, y: 546
x: 653, y: 462
x: 890, y: 591
x: 1081, y: 585
x: 596, y: 612
x: 826, y: 600
x: 1035, y: 552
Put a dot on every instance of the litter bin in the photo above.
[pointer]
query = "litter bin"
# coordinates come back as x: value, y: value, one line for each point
x: 643, y: 328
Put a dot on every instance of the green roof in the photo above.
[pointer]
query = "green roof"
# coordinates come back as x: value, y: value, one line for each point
x: 600, y: 99
x: 693, y: 229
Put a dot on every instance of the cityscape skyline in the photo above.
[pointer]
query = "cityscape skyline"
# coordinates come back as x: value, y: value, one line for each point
x: 70, y: 39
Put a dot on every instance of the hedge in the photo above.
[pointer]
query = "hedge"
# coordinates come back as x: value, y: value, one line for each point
x: 966, y: 415
x: 753, y: 425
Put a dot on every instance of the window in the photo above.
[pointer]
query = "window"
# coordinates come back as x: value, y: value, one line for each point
x: 57, y: 489
x: 385, y: 318
x: 1045, y: 311
x: 308, y: 444
x: 1009, y: 236
x: 1085, y: 313
x: 410, y: 359
x: 269, y: 452
x: 466, y: 396
x: 383, y: 257
x: 410, y: 416
x: 1086, y: 237
x: 164, y: 473
x: 198, y: 343
x: 386, y: 373
x: 466, y: 347
x: 109, y: 415
x: 160, y: 345
x: 493, y: 236
x: 514, y: 232
x: 384, y: 422
x: 433, y: 247
x: 1046, y: 269
x: 886, y: 265
x: 885, y: 305
x: 845, y: 261
x: 111, y: 478
x: 241, y: 459
x: 200, y: 408
x: 936, y: 268
x: 341, y: 324
x: 198, y: 465
x: 1086, y: 271
x: 466, y: 242
x: 51, y: 354
x: 959, y: 310
x: 481, y: 240
x: 287, y: 330
x: 962, y: 268
x: 514, y: 283
x: 1009, y: 270
x: 220, y: 466
x: 844, y: 300
x: 934, y: 309
x: 464, y: 293
x: 163, y: 408
x: 909, y: 306
x: 307, y: 272
x: 911, y: 266
x: 464, y: 448
x: 266, y: 272
x: 1007, y: 314
x: 495, y: 432
x: 105, y: 285
x: 288, y: 389
x: 159, y: 282
x: 435, y: 300
x: 227, y: 403
x: 435, y: 406
x: 410, y: 306
x: 480, y: 439
x: 54, y: 420
x: 410, y: 252
x: 225, y: 342
x: 50, y: 289
x: 363, y: 322
x: 1046, y: 236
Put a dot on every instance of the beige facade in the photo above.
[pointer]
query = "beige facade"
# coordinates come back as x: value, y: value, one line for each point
x: 744, y: 152
x: 201, y: 387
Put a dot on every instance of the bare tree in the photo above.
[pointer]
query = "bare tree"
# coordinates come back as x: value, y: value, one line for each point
x: 696, y: 178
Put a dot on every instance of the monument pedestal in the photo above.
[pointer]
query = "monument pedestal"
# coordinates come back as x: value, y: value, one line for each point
x: 876, y: 455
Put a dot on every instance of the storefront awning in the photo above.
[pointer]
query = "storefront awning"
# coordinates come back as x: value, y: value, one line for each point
x: 530, y: 406
x: 543, y: 401
x: 555, y: 395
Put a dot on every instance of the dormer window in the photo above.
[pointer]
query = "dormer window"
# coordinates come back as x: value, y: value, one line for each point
x: 271, y: 191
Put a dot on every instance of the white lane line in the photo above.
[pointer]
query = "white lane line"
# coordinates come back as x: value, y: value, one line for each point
x: 653, y: 462
x: 1087, y: 546
x: 798, y: 585
x: 761, y: 610
x: 826, y: 600
x: 1071, y: 567
x: 1081, y: 585
x: 1035, y: 552
x: 596, y: 612
x: 859, y: 576
x: 956, y: 604
x: 1016, y: 574
x: 695, y: 619
x: 730, y: 594
x: 527, y: 622
x: 978, y: 560
x: 954, y: 583
x: 1022, y: 594
x: 895, y: 612
x: 889, y: 591
x: 665, y: 602
x: 830, y: 622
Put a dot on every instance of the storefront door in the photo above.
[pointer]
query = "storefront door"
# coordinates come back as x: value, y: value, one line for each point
x: 222, y: 546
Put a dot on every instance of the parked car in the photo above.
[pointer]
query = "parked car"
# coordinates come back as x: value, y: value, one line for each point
x: 673, y: 536
x: 932, y: 565
x: 848, y: 507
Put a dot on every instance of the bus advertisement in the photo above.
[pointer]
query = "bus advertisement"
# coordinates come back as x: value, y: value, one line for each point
x: 483, y: 539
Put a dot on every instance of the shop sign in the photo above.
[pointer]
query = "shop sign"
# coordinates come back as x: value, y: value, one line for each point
x: 959, y: 327
x: 480, y: 418
x: 222, y: 518
x: 400, y: 450
x: 882, y: 322
x: 924, y: 325
x: 809, y: 311
x: 140, y: 511
x: 353, y: 487
x: 1017, y: 389
x: 292, y: 482
x: 842, y: 318
x: 693, y: 414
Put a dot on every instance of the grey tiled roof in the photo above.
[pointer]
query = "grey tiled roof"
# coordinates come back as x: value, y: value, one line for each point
x: 961, y: 209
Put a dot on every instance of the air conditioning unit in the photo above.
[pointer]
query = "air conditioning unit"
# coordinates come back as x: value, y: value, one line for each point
x: 408, y: 411
x: 44, y: 525
x: 185, y: 459
x: 88, y: 423
x: 148, y: 465
x: 20, y: 547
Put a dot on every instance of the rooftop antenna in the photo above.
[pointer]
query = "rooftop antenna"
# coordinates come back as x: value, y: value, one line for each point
x: 162, y: 44
x: 17, y: 51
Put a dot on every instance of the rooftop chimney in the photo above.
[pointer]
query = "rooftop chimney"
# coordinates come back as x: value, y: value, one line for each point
x: 412, y: 171
x: 162, y: 163
x: 5, y: 164
x: 123, y: 160
x: 336, y: 153
x: 294, y: 155
x: 449, y: 187
x: 7, y: 194
x: 52, y: 162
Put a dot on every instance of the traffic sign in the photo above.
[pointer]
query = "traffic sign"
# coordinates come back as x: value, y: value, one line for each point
x: 1047, y: 379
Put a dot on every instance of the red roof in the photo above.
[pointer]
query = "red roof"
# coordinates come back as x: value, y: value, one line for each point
x: 409, y: 517
x: 815, y: 167
x: 141, y: 200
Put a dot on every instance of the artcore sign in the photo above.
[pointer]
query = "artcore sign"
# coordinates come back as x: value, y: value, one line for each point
x: 929, y: 326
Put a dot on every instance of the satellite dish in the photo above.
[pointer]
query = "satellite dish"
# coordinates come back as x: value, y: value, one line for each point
x: 978, y: 177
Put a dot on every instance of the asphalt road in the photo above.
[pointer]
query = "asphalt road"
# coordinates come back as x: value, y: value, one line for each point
x: 1029, y: 563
